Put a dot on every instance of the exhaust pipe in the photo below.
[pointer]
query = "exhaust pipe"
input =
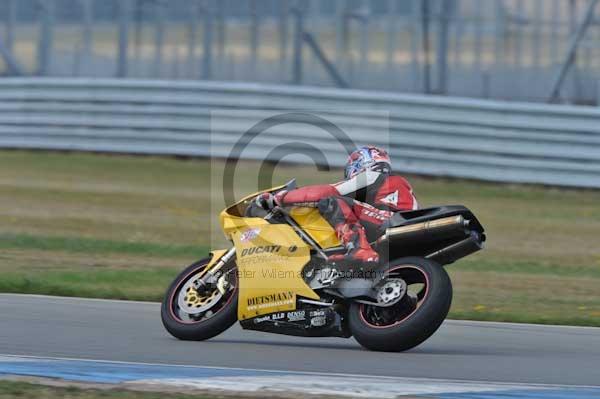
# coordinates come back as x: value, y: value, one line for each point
x: 458, y: 250
x: 448, y: 227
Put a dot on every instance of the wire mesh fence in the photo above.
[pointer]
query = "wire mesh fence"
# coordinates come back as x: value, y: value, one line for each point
x: 506, y: 49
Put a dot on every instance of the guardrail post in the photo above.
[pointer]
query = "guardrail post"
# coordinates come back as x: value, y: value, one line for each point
x: 298, y: 13
x: 362, y: 15
x: 425, y: 44
x: 284, y: 9
x: 442, y: 45
x: 87, y: 21
x: 341, y: 34
x: 221, y: 35
x: 124, y: 20
x: 159, y: 37
x: 254, y: 24
x: 415, y: 39
x: 44, y: 53
x: 11, y: 15
x: 191, y: 38
x: 207, y: 40
x: 391, y: 35
x: 138, y: 19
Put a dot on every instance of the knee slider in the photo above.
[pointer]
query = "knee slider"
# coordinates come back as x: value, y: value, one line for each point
x: 326, y: 205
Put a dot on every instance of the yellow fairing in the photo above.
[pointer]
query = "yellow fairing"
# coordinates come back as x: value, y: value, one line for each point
x: 316, y: 226
x: 232, y: 218
x: 232, y: 224
x: 270, y: 259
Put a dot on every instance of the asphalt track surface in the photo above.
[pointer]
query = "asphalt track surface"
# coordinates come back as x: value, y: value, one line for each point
x: 132, y: 332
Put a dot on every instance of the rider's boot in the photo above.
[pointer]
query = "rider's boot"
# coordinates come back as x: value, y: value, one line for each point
x: 358, y: 251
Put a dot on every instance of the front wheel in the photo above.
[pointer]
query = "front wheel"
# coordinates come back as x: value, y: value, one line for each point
x: 187, y: 315
x: 414, y: 318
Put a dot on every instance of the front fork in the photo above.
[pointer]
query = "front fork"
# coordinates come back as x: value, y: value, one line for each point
x: 209, y: 280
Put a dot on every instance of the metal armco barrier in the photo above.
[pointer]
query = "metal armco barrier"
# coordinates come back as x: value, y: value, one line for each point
x: 440, y: 136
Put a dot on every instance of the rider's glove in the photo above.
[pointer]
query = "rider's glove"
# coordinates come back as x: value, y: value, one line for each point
x: 268, y: 201
x: 265, y: 201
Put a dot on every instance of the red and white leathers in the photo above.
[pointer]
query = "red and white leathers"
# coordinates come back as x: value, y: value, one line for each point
x: 365, y: 200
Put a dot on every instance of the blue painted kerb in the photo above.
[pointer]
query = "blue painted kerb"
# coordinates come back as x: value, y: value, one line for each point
x: 114, y: 373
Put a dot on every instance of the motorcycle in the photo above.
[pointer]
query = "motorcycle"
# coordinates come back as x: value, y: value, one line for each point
x: 276, y: 277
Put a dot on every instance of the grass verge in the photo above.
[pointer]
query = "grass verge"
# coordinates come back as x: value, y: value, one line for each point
x: 25, y: 390
x: 92, y: 246
x: 123, y: 226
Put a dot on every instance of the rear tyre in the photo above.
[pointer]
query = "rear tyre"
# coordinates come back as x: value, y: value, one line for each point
x: 219, y: 311
x: 414, y: 318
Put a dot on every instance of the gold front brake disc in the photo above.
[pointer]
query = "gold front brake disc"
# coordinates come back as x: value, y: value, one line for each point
x: 195, y: 300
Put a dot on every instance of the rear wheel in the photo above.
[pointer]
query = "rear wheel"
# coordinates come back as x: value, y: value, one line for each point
x: 414, y: 318
x: 188, y: 315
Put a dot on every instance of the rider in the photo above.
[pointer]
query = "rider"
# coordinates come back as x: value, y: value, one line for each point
x: 366, y: 198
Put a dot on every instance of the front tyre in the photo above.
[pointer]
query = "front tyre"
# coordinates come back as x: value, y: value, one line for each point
x: 188, y: 315
x: 414, y: 318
